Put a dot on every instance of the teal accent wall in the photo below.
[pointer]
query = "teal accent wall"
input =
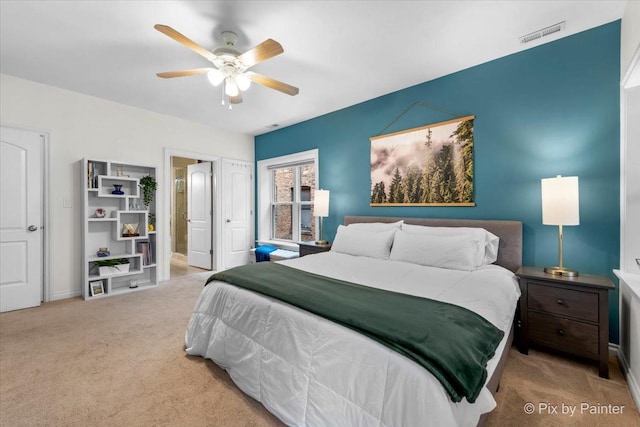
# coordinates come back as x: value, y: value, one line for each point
x: 549, y: 110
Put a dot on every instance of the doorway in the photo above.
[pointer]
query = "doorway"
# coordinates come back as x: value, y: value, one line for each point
x: 183, y: 197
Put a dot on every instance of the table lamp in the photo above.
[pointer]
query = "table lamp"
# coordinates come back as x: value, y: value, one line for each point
x: 321, y: 210
x: 560, y: 206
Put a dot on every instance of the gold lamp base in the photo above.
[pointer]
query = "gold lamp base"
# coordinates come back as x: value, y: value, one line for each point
x: 321, y: 241
x: 560, y: 271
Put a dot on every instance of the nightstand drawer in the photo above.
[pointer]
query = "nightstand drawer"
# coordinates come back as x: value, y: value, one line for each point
x: 564, y: 302
x: 564, y: 334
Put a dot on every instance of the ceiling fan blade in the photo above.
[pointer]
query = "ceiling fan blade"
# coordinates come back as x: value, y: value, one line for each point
x: 272, y: 83
x: 186, y: 41
x: 184, y: 73
x: 236, y: 99
x: 265, y: 50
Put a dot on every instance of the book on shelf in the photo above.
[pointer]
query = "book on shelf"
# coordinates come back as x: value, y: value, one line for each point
x: 92, y: 174
x: 146, y: 250
x: 89, y: 174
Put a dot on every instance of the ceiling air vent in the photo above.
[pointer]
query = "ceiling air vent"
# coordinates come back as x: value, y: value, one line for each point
x: 542, y: 33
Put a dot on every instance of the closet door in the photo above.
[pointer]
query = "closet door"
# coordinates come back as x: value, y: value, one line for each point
x: 237, y: 212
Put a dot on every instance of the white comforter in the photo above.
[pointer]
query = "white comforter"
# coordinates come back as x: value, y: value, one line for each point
x: 309, y: 371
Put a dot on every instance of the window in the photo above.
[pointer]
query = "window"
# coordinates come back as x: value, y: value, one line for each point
x: 292, y: 201
x: 286, y: 190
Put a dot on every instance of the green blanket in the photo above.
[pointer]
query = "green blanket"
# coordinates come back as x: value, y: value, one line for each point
x: 451, y: 342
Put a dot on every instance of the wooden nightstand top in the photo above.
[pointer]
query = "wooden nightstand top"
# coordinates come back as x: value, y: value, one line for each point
x: 582, y: 279
x: 315, y: 245
x: 310, y: 248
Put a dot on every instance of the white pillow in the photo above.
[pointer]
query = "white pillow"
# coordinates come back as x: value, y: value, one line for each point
x: 489, y: 242
x: 452, y: 252
x: 353, y: 241
x: 377, y: 226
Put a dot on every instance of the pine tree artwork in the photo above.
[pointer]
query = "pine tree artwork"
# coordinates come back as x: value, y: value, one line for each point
x: 427, y: 166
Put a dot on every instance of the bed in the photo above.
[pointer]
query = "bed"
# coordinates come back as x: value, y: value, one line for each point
x: 310, y: 371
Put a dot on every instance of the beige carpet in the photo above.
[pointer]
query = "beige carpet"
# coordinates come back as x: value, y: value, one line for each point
x: 553, y: 383
x: 120, y: 361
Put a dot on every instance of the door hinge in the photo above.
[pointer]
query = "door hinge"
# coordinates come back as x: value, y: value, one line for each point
x: 210, y: 251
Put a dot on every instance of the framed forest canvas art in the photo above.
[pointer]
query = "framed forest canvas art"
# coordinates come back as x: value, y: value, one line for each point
x: 427, y: 166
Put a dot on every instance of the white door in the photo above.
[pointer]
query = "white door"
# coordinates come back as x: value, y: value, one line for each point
x: 237, y: 212
x: 199, y: 214
x: 21, y: 218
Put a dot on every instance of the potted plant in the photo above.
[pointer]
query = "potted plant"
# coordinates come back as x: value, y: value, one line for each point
x: 108, y: 267
x: 149, y: 186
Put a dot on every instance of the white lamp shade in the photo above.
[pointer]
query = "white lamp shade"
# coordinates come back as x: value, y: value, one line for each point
x: 216, y: 77
x: 243, y: 82
x: 560, y: 201
x: 230, y: 88
x: 321, y: 203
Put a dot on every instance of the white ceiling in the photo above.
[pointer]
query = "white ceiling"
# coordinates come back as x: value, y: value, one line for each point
x: 338, y: 53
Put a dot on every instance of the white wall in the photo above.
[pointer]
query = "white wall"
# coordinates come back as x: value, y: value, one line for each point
x: 630, y: 140
x: 630, y: 200
x: 631, y: 170
x: 630, y: 34
x: 84, y: 126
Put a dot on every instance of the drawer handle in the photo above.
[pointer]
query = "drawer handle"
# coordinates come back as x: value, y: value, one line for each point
x: 561, y: 331
x: 560, y: 301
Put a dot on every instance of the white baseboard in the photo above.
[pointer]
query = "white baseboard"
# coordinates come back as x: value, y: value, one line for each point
x: 614, y: 349
x: 632, y: 381
x: 65, y: 295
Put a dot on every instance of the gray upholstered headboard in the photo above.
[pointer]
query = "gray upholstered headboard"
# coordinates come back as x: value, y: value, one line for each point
x: 509, y: 232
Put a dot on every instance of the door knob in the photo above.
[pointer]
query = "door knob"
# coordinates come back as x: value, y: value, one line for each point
x: 228, y: 220
x: 33, y: 228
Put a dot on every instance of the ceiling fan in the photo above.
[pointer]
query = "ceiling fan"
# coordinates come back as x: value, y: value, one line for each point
x: 230, y: 65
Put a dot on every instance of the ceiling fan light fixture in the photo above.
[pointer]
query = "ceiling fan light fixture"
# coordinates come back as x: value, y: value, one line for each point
x: 243, y: 81
x: 231, y: 66
x: 216, y: 77
x: 231, y: 88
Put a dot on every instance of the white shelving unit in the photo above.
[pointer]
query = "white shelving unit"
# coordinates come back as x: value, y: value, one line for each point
x: 140, y: 248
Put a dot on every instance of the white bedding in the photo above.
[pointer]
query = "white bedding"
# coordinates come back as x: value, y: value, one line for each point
x: 309, y: 371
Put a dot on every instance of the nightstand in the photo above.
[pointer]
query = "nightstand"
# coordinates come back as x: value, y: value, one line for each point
x: 569, y: 314
x: 308, y: 248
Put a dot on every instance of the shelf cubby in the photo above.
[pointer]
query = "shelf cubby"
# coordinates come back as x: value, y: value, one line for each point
x: 130, y: 187
x: 131, y: 217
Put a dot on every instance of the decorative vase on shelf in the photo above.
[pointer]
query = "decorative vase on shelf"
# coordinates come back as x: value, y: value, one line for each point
x: 102, y: 252
x: 118, y: 189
